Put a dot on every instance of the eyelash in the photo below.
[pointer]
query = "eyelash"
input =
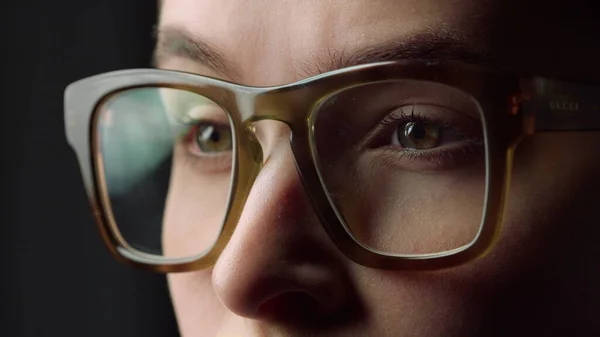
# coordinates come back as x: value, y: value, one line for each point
x: 399, y: 117
x: 438, y: 158
x: 390, y: 154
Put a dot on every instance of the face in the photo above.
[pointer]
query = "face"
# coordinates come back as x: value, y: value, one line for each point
x: 280, y: 274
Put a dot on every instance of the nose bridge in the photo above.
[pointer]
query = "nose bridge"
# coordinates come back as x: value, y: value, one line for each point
x: 272, y: 116
x: 286, y: 105
x: 277, y: 121
x: 274, y: 138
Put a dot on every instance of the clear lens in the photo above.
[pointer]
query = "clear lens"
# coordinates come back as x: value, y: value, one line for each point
x: 403, y: 163
x: 166, y: 162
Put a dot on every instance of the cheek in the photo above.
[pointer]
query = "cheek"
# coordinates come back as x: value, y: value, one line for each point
x: 195, y: 209
x: 195, y: 303
x: 544, y: 211
x: 411, y: 213
x: 550, y: 192
x: 429, y: 304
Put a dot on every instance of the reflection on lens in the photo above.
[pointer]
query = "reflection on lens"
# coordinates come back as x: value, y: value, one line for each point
x: 166, y: 157
x: 403, y: 163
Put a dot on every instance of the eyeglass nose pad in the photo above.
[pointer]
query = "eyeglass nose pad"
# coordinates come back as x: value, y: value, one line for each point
x: 254, y: 147
x: 264, y: 136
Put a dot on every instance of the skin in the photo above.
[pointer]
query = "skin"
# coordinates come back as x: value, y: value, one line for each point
x: 539, y: 280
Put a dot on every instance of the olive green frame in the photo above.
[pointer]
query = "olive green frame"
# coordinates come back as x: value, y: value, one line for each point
x: 512, y: 106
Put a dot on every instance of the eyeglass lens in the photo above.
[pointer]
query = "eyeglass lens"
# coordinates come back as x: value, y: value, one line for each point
x: 402, y: 162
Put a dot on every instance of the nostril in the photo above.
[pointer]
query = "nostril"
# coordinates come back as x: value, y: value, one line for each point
x: 292, y: 307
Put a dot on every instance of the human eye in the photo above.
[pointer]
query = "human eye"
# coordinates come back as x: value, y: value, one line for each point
x: 209, y: 139
x: 427, y: 137
x: 205, y: 136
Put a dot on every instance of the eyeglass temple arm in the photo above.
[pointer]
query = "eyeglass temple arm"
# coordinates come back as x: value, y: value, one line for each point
x: 561, y: 106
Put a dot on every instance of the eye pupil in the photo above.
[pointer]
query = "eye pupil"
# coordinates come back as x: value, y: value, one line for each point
x: 208, y: 132
x: 213, y: 134
x: 213, y: 138
x: 415, y: 130
x: 419, y: 135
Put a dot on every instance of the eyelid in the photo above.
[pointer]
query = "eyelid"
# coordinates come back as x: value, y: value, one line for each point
x: 207, y: 112
x: 392, y: 120
x: 461, y: 123
x: 194, y: 114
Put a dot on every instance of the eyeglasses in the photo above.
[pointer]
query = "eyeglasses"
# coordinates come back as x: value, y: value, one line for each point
x: 406, y: 163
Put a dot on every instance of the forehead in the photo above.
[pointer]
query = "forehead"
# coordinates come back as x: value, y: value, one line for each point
x: 286, y: 35
x: 341, y: 18
x: 271, y: 42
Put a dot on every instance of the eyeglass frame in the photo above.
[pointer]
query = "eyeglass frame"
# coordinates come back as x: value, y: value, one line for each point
x: 514, y: 107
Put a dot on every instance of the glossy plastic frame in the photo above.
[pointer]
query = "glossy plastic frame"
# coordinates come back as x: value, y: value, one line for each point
x: 513, y: 107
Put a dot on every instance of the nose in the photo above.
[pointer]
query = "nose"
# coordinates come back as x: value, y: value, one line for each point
x: 279, y: 262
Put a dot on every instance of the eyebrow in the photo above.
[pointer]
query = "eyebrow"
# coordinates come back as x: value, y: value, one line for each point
x: 425, y: 45
x: 176, y: 42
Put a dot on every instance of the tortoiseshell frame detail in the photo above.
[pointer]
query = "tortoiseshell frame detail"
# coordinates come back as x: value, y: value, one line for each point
x: 512, y: 107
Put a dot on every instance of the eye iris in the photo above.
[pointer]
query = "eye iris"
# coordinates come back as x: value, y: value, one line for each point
x: 213, y: 138
x: 419, y: 135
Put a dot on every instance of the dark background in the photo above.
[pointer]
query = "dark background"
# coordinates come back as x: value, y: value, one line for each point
x: 57, y: 279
